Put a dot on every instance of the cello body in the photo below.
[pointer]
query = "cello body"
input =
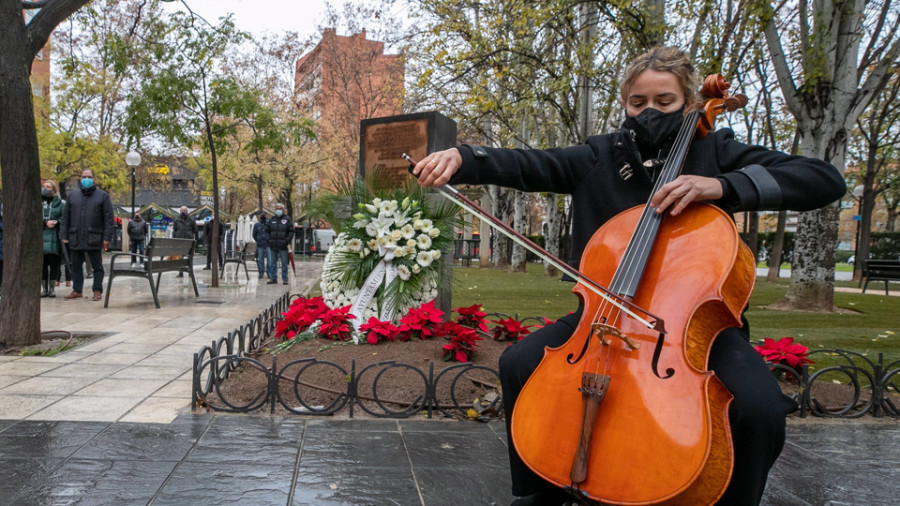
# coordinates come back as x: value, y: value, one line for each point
x: 654, y: 438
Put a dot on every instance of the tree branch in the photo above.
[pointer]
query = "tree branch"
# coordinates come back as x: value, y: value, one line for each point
x: 52, y: 13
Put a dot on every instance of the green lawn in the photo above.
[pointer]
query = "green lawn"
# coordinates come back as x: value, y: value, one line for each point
x: 867, y: 324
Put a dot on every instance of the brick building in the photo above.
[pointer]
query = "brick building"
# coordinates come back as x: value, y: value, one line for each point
x: 342, y: 81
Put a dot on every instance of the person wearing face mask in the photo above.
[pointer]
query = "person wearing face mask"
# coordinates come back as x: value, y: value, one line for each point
x: 51, y: 210
x: 261, y: 238
x: 184, y: 227
x: 87, y: 227
x: 137, y: 234
x: 614, y: 172
x: 280, y: 229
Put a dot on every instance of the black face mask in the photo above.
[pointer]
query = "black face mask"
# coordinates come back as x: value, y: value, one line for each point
x: 652, y: 127
x: 46, y: 192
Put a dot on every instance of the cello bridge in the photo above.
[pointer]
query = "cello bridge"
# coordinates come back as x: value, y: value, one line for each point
x: 605, y: 331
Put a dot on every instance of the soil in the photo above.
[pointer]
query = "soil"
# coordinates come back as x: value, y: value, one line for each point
x: 321, y: 383
x: 59, y: 340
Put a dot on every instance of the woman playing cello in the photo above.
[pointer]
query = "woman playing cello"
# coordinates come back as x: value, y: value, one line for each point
x: 614, y: 172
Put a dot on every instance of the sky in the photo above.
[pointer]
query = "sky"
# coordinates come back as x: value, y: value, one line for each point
x: 258, y: 17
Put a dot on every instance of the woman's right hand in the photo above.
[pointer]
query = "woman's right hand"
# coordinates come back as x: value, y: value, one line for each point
x: 438, y: 167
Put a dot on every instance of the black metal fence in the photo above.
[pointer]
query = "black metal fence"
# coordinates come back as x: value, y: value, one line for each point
x: 855, y: 387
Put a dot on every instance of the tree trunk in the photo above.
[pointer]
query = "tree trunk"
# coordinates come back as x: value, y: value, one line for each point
x: 551, y: 235
x: 214, y: 236
x: 777, y: 249
x: 499, y: 253
x: 517, y: 261
x: 20, y: 306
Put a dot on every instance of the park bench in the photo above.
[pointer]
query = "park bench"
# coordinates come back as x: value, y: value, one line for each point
x: 880, y: 270
x: 239, y: 257
x: 162, y: 255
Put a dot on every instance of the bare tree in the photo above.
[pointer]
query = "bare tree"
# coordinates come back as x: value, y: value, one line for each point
x: 842, y: 55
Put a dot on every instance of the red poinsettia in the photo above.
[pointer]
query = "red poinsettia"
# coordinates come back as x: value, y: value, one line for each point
x: 784, y: 351
x: 336, y: 324
x: 472, y: 316
x: 420, y: 322
x: 300, y: 315
x: 462, y: 341
x: 510, y: 329
x: 376, y: 330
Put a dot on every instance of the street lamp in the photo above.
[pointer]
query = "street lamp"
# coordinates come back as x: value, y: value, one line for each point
x: 132, y: 159
x: 858, y: 193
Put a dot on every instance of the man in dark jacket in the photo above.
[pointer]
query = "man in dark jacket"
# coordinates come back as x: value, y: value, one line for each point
x: 137, y: 234
x: 261, y: 238
x: 184, y: 227
x: 281, y: 231
x: 87, y: 227
x: 207, y: 240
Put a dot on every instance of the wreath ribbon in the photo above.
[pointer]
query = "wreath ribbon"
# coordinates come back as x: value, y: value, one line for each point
x: 383, y: 273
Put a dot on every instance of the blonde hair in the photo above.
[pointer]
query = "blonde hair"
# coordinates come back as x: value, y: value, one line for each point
x: 53, y: 184
x: 665, y: 59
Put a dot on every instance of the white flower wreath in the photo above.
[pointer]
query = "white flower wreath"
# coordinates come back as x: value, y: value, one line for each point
x: 401, y: 235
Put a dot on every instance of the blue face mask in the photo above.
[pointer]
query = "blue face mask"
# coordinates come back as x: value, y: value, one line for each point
x: 278, y: 213
x: 87, y: 182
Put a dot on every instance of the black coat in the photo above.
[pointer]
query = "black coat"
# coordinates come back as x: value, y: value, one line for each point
x: 260, y: 234
x: 754, y: 177
x: 184, y: 228
x: 137, y: 230
x: 208, y: 232
x: 281, y: 231
x: 87, y: 220
x: 1, y: 239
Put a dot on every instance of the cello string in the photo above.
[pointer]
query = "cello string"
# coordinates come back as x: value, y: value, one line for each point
x: 648, y: 224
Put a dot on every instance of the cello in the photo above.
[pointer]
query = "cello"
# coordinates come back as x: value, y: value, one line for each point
x: 623, y: 413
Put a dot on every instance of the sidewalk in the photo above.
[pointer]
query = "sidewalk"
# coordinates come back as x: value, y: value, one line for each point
x: 81, y: 428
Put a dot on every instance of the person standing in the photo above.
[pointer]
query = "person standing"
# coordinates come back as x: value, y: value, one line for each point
x: 207, y: 240
x: 137, y: 234
x: 52, y: 210
x: 280, y: 229
x: 261, y: 238
x: 87, y: 227
x: 184, y: 227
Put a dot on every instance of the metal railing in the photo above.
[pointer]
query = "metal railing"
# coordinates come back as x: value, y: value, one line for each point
x: 469, y: 390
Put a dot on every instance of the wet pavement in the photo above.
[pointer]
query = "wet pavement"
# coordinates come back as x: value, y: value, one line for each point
x: 110, y: 423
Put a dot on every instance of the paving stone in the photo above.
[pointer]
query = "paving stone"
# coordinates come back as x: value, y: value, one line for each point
x: 98, y: 482
x: 214, y: 484
x: 142, y: 441
x: 47, y: 440
x: 264, y: 441
x: 158, y: 410
x: 373, y: 486
x: 88, y: 408
x: 21, y: 406
x: 43, y: 385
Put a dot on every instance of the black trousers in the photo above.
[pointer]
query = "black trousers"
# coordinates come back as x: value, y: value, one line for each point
x: 757, y: 413
x: 50, y: 268
x: 95, y: 258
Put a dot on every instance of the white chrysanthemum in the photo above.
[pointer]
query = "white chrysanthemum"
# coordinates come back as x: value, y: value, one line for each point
x: 387, y: 206
x: 434, y: 232
x: 408, y: 231
x: 424, y: 242
x: 396, y: 235
x: 372, y: 244
x: 376, y: 202
x: 416, y: 268
x: 401, y: 252
x: 411, y: 243
x: 403, y: 272
x: 354, y: 245
x: 424, y: 225
x: 435, y: 254
x: 424, y: 259
x: 372, y: 230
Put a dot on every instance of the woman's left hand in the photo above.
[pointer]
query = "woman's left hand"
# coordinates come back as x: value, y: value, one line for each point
x: 51, y: 223
x: 684, y: 190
